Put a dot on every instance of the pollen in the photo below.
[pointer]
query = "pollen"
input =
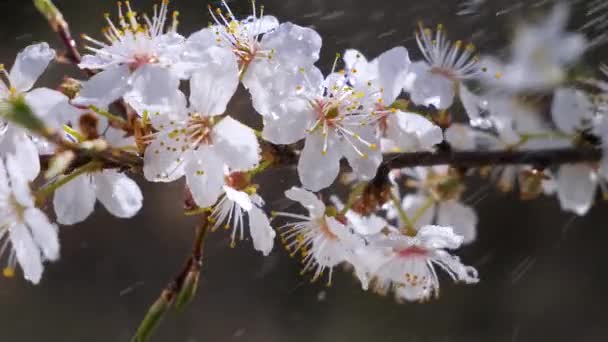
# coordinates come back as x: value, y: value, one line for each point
x: 8, y: 272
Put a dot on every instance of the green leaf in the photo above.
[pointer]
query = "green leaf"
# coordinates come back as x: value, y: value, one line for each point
x: 188, y: 291
x: 154, y: 316
x: 16, y: 110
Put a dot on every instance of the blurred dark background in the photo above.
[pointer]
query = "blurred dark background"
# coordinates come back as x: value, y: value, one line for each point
x: 543, y: 273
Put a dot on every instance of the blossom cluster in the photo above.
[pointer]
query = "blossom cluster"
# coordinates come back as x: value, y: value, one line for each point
x: 395, y: 228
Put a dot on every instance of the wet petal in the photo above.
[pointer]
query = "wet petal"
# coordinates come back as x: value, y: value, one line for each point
x: 236, y: 144
x: 43, y: 232
x: 576, y: 187
x: 28, y: 254
x: 205, y: 177
x: 318, y: 170
x: 75, y: 201
x: 104, y: 88
x: 261, y: 232
x: 29, y: 65
x: 118, y: 193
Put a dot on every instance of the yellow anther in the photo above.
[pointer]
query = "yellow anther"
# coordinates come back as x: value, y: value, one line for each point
x: 373, y: 147
x: 498, y: 75
x: 8, y: 272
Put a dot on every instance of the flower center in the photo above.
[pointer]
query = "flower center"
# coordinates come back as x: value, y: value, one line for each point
x: 412, y: 251
x: 141, y: 60
x: 324, y: 228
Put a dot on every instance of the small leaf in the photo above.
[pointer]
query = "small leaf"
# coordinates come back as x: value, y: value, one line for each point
x: 189, y: 289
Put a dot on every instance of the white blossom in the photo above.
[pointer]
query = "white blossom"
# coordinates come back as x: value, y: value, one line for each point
x: 336, y: 121
x: 324, y: 241
x: 263, y: 49
x: 540, y: 54
x: 437, y: 79
x: 231, y: 208
x: 119, y: 194
x: 133, y: 55
x: 198, y: 141
x: 28, y: 236
x: 407, y: 263
x: 382, y: 79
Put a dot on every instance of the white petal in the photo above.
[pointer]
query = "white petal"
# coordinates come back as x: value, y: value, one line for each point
x: 215, y: 82
x: 430, y: 89
x: 576, y: 187
x: 74, y: 201
x: 16, y: 142
x: 413, y: 132
x: 163, y: 160
x: 205, y: 177
x: 95, y: 62
x: 19, y: 184
x: 460, y: 217
x: 155, y: 89
x: 308, y: 200
x: 571, y: 110
x: 51, y: 106
x: 118, y: 193
x: 366, y: 158
x: 317, y: 170
x: 261, y: 232
x: 28, y: 254
x: 239, y: 197
x: 236, y: 144
x: 293, y: 45
x: 29, y: 65
x: 288, y: 121
x: 104, y: 88
x: 43, y: 232
x: 392, y: 67
x: 439, y: 237
x: 258, y: 26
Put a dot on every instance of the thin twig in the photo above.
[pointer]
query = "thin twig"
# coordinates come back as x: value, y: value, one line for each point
x: 181, y: 289
x: 537, y: 158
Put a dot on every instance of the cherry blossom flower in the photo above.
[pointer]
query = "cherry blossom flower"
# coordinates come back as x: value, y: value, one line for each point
x: 336, y: 122
x: 199, y: 141
x: 119, y: 194
x: 135, y: 53
x: 32, y: 237
x: 239, y: 198
x: 49, y: 105
x: 540, y: 54
x: 437, y: 201
x: 323, y: 240
x: 382, y: 81
x: 263, y: 48
x: 575, y: 114
x: 408, y: 263
x: 436, y: 80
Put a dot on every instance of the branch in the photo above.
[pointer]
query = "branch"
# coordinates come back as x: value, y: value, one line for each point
x: 538, y: 158
x: 181, y: 289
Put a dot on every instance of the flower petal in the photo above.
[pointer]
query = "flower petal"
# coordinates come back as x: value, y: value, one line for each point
x: 288, y: 122
x: 363, y: 152
x: 460, y: 217
x: 29, y: 65
x: 28, y: 254
x: 215, y: 82
x: 16, y: 142
x: 205, y: 177
x: 571, y: 110
x: 308, y: 200
x: 163, y: 160
x: 43, y: 232
x: 576, y: 187
x: 261, y: 232
x: 156, y: 90
x: 236, y: 144
x: 293, y: 45
x: 104, y: 88
x: 392, y: 67
x: 74, y: 201
x: 318, y: 170
x: 239, y: 197
x: 118, y: 193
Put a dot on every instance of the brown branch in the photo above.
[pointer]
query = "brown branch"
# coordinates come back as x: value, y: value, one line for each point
x: 537, y: 158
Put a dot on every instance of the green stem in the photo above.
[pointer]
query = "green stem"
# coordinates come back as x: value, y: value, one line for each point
x: 409, y: 225
x: 430, y: 201
x: 43, y: 193
x: 108, y: 115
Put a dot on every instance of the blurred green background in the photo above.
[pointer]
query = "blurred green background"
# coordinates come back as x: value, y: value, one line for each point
x: 543, y: 273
